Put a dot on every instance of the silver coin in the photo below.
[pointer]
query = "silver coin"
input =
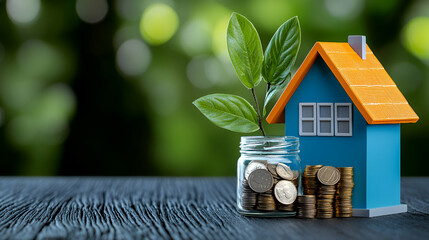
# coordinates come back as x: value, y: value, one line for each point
x: 260, y: 180
x: 272, y: 169
x: 284, y: 171
x: 285, y: 192
x: 295, y: 174
x: 252, y: 166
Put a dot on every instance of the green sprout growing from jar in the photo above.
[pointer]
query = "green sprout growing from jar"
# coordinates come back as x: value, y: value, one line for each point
x: 252, y: 65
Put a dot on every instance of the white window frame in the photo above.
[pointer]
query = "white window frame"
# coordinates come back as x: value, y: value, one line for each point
x: 324, y: 119
x: 349, y: 119
x: 314, y: 119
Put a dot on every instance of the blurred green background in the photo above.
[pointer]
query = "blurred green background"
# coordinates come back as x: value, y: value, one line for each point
x: 96, y: 87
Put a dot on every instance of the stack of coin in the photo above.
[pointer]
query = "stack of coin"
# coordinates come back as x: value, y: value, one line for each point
x: 266, y: 201
x: 343, y: 196
x: 328, y: 176
x: 325, y: 201
x: 306, y: 206
x: 310, y: 180
x: 285, y: 207
x: 248, y: 196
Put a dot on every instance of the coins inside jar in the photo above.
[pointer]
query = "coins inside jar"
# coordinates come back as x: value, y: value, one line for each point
x: 265, y: 190
x: 260, y: 180
x: 285, y: 192
x: 252, y: 166
x: 284, y: 171
x: 266, y: 201
x: 248, y: 196
x: 272, y: 169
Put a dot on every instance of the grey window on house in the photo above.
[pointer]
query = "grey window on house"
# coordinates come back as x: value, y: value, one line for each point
x: 307, y: 119
x: 343, y: 119
x: 325, y: 119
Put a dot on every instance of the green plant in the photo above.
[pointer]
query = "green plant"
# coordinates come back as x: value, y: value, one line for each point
x: 252, y: 65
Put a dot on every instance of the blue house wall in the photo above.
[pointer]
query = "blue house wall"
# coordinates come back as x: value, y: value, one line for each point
x: 320, y: 85
x: 383, y: 165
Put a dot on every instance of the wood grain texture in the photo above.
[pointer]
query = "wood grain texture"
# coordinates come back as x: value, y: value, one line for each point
x: 178, y: 208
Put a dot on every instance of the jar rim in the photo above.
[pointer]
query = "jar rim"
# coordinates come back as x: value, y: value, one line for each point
x: 269, y: 144
x: 269, y: 138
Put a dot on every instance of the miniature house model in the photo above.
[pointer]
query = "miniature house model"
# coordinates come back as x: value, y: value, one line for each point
x: 347, y: 112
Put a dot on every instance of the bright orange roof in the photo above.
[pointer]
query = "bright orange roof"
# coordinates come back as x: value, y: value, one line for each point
x: 366, y: 82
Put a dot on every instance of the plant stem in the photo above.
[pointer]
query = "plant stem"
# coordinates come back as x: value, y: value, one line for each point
x: 268, y: 89
x: 259, y: 113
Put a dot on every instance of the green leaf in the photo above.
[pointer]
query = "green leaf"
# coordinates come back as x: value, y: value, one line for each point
x: 229, y: 111
x: 281, y: 52
x: 245, y: 50
x: 275, y: 92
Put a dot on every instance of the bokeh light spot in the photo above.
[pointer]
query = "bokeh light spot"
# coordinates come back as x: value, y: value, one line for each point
x: 158, y: 23
x: 23, y: 11
x: 219, y: 38
x: 416, y: 37
x: 270, y: 14
x: 195, y: 37
x: 346, y: 9
x: 39, y: 59
x: 133, y: 57
x: 92, y: 11
x: 18, y: 91
x: 46, y: 120
x: 214, y: 70
x: 197, y: 74
x: 205, y: 72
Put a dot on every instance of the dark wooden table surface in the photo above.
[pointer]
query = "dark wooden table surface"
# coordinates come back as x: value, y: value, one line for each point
x: 178, y: 208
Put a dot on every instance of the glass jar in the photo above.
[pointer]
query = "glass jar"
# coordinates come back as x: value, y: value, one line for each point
x: 268, y: 176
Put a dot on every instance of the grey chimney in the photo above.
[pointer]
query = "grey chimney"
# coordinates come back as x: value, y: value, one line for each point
x: 358, y: 43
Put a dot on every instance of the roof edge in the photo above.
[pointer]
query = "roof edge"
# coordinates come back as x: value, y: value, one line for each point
x: 408, y: 120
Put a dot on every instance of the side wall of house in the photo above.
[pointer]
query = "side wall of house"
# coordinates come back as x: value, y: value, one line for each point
x: 320, y: 85
x: 383, y: 165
